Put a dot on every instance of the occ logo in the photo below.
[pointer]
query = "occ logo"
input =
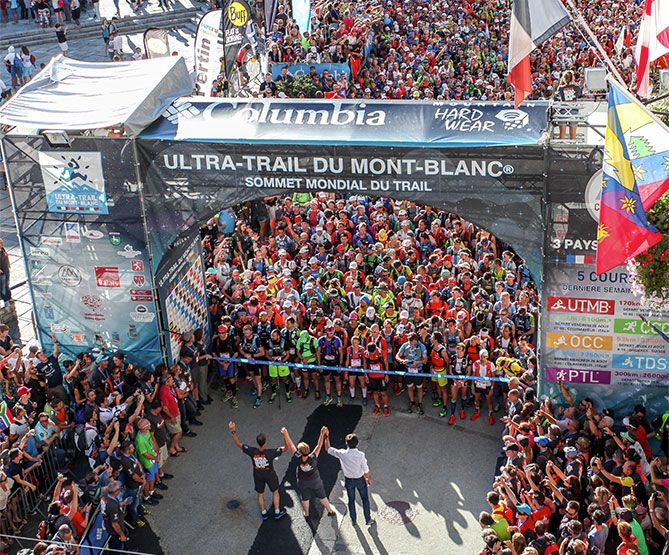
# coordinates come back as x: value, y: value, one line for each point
x: 513, y: 119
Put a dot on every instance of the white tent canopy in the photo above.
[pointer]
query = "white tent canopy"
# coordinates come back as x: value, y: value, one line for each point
x: 74, y: 95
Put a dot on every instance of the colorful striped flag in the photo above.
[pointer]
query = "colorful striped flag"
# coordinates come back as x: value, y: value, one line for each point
x: 636, y: 174
x: 532, y: 23
x: 6, y: 416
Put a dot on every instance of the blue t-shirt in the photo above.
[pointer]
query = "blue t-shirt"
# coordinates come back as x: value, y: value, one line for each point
x: 413, y: 354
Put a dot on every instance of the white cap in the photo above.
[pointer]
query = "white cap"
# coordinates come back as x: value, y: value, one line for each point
x: 353, y: 265
x: 371, y: 312
x: 282, y: 251
x: 287, y: 304
x: 404, y: 314
x: 286, y: 272
x: 483, y: 352
x: 313, y: 260
x: 304, y: 250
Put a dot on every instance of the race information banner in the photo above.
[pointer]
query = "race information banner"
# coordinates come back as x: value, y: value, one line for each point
x: 182, y: 292
x: 85, y: 247
x: 347, y: 122
x: 186, y: 183
x: 593, y: 337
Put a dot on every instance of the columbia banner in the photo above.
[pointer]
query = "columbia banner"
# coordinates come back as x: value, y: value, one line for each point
x: 374, y: 123
x: 208, y: 51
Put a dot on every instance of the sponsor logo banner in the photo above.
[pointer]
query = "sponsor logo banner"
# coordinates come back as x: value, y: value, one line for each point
x: 371, y: 123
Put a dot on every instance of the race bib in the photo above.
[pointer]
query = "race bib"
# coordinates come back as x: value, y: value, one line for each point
x: 356, y: 363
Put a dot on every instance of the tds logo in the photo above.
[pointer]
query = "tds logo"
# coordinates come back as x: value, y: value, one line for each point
x: 238, y: 14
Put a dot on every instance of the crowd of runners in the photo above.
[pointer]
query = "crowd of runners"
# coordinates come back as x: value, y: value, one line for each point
x: 355, y: 287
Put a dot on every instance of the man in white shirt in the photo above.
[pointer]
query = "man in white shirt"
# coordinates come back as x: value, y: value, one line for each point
x: 356, y: 474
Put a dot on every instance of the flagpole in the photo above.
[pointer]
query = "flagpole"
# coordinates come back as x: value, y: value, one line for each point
x: 605, y: 58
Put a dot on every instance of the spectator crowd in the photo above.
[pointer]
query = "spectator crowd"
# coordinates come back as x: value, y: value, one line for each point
x: 440, y: 50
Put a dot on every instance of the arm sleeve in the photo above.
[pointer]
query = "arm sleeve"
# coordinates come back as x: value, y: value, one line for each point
x: 334, y: 452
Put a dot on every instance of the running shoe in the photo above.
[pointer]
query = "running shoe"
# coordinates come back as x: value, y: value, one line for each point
x: 265, y: 514
x: 410, y: 409
x: 491, y: 420
x: 317, y: 395
x: 463, y: 416
x: 370, y: 522
x: 350, y: 401
x: 265, y: 385
x: 420, y: 409
x: 377, y: 410
x: 476, y: 415
x: 437, y: 403
x: 228, y: 395
x: 443, y: 412
x: 257, y: 403
x: 340, y: 403
x: 280, y: 514
x: 365, y: 401
x: 272, y: 397
x: 328, y: 400
x: 386, y: 411
x: 289, y: 397
x: 234, y: 403
x: 451, y: 420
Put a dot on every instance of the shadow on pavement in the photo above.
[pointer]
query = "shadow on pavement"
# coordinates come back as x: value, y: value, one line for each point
x: 279, y: 538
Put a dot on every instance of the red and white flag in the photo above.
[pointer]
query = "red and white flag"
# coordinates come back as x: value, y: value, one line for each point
x: 653, y: 42
x: 532, y: 23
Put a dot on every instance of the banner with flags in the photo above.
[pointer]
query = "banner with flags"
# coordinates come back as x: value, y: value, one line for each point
x: 156, y: 43
x: 635, y: 175
x: 653, y: 41
x: 532, y: 23
x: 208, y: 51
x: 6, y: 416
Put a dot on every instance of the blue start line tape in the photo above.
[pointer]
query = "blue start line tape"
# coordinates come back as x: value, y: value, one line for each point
x: 359, y: 370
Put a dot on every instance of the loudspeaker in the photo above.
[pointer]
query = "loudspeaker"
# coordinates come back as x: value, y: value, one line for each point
x: 595, y: 80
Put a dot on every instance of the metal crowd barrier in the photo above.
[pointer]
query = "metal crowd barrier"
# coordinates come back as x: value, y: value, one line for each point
x: 25, y: 502
x: 359, y: 370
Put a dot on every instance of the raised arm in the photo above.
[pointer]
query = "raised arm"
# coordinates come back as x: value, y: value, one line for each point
x: 235, y: 439
x: 288, y: 444
x: 321, y: 439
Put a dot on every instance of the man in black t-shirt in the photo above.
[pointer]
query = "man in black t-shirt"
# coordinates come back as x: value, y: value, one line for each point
x: 263, y: 470
x: 50, y: 368
x: 114, y: 516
